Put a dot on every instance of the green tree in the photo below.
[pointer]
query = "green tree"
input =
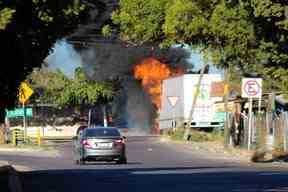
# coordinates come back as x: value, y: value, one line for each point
x: 248, y: 35
x: 47, y: 84
x: 271, y: 22
x: 54, y: 87
x: 84, y: 91
x: 28, y: 30
x: 6, y: 15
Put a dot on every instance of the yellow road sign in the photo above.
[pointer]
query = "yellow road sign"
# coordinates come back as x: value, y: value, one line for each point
x: 24, y: 92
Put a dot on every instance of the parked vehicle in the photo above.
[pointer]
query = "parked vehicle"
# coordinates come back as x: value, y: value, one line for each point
x: 183, y: 88
x: 99, y: 144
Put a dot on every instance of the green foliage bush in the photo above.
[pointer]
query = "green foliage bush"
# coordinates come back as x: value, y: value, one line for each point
x: 55, y: 88
x: 236, y: 33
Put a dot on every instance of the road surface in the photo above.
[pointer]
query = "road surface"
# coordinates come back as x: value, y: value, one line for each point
x: 153, y: 165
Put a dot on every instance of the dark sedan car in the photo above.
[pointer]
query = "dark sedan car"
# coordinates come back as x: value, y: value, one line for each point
x: 99, y: 144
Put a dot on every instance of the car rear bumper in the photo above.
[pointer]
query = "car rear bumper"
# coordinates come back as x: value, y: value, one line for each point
x: 94, y: 154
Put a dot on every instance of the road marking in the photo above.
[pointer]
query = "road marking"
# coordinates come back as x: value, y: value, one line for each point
x: 268, y: 174
x: 164, y: 171
x: 285, y: 189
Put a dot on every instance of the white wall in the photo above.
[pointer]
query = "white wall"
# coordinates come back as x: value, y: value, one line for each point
x: 171, y: 87
x: 204, y: 104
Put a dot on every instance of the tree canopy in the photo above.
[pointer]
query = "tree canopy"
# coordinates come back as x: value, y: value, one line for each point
x: 28, y: 30
x: 54, y: 87
x: 248, y: 35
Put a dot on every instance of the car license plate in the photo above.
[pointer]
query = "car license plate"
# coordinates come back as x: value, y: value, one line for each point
x: 104, y: 145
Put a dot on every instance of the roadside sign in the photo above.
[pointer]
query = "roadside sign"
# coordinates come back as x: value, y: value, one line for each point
x: 217, y: 89
x: 173, y: 100
x: 18, y: 112
x: 220, y: 107
x: 24, y: 92
x: 226, y: 89
x: 252, y: 87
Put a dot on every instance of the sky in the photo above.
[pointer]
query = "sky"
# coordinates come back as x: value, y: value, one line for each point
x: 64, y: 57
x: 196, y: 59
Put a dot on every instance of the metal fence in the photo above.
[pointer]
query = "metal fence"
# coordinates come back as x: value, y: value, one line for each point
x: 269, y: 131
x: 33, y: 137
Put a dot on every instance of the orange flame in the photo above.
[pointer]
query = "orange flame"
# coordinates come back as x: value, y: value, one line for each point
x: 152, y: 72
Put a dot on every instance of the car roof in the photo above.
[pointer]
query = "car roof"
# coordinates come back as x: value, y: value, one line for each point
x: 101, y: 127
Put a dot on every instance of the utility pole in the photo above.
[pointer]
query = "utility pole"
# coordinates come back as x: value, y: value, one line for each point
x: 187, y: 129
x: 104, y: 116
x: 89, y: 118
x: 24, y: 122
x: 226, y: 95
x: 250, y: 123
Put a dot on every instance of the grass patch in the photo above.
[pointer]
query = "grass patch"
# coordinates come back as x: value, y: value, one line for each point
x: 199, y: 136
x: 177, y: 135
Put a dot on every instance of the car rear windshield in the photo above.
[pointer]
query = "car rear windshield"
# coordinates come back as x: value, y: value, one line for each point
x: 102, y: 132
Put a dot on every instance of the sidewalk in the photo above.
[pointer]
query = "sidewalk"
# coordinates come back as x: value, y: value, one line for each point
x: 30, y: 150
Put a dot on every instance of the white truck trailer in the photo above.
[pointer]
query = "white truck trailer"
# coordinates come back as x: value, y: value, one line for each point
x: 179, y: 91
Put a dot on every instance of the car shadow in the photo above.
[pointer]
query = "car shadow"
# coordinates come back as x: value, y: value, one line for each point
x: 109, y: 163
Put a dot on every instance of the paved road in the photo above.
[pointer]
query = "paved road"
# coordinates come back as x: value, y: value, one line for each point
x: 153, y: 165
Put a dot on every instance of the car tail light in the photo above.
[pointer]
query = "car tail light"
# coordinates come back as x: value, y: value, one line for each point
x: 119, y: 141
x: 86, y: 143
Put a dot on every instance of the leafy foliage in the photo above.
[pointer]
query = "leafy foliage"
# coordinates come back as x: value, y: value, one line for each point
x: 140, y: 20
x: 28, y: 32
x: 54, y: 87
x: 5, y: 17
x: 248, y: 35
x: 106, y: 31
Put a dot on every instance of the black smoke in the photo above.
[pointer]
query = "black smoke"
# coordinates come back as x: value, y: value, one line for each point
x: 132, y: 106
x: 110, y: 59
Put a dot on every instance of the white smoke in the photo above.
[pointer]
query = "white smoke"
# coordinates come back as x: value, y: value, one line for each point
x: 64, y: 57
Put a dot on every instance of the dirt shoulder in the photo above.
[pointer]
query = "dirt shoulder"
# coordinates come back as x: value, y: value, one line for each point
x: 216, y: 151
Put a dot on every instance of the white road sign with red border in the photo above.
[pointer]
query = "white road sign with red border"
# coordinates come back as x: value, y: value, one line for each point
x: 173, y: 100
x: 251, y: 87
